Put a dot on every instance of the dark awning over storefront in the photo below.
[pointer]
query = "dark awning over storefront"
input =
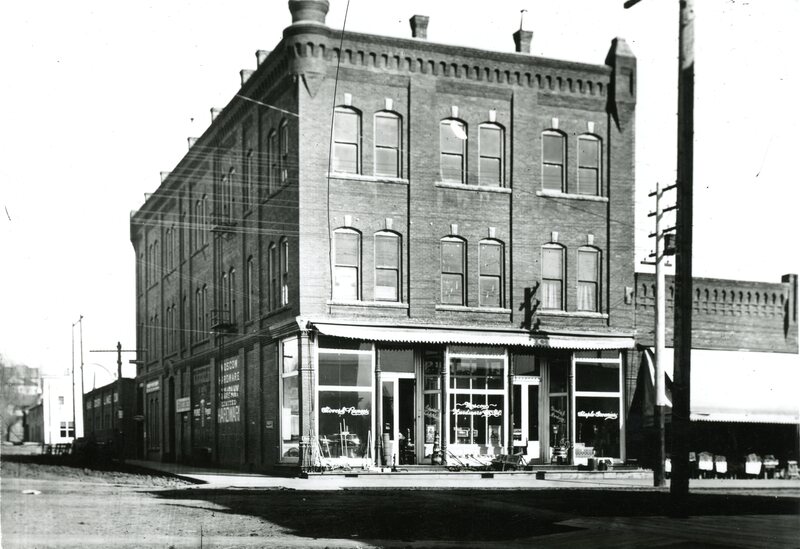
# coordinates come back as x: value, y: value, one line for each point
x: 741, y: 386
x: 473, y: 337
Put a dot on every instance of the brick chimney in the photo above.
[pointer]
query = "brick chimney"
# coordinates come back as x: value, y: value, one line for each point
x: 419, y: 26
x: 522, y: 38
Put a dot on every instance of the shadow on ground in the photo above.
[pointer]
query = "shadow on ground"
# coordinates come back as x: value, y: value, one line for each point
x: 22, y: 465
x: 468, y: 515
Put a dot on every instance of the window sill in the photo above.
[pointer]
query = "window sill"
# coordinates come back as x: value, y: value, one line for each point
x: 375, y: 304
x: 573, y: 314
x: 465, y: 309
x: 476, y: 188
x: 571, y: 196
x: 369, y: 178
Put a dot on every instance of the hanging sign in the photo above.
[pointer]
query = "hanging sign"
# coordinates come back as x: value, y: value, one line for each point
x: 182, y: 404
x: 152, y: 386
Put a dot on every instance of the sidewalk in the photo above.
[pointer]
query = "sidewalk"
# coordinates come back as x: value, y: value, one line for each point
x: 210, y: 477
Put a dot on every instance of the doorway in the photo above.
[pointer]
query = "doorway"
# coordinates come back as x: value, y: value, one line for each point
x: 525, y: 418
x: 398, y: 398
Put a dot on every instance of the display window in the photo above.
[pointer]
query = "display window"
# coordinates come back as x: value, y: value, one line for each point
x: 290, y: 402
x: 345, y: 401
x: 598, y: 403
x: 476, y: 400
x: 431, y: 396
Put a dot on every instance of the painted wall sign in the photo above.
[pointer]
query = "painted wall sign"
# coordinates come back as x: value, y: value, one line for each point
x: 607, y: 416
x: 344, y: 410
x: 182, y: 404
x: 229, y: 380
x: 152, y: 386
x: 471, y: 409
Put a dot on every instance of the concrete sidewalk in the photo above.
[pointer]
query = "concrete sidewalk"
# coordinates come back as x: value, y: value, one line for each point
x: 210, y: 477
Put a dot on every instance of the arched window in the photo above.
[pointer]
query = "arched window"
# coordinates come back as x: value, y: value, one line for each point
x: 552, y: 292
x: 490, y: 144
x: 388, y: 144
x: 272, y: 269
x: 249, y: 290
x: 347, y: 265
x: 588, y: 279
x: 491, y: 273
x: 232, y: 296
x: 247, y: 188
x: 284, y: 271
x: 387, y: 266
x: 454, y: 265
x: 554, y: 155
x: 229, y: 191
x: 283, y: 159
x: 453, y: 150
x: 346, y: 140
x: 589, y: 154
x: 272, y: 156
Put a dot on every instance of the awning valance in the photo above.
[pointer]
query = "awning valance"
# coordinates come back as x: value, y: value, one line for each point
x: 741, y: 386
x: 472, y: 337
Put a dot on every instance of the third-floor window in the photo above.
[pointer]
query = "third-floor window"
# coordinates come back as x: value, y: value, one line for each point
x: 346, y: 140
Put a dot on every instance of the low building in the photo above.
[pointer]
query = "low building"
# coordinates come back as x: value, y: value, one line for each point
x: 109, y: 420
x: 51, y: 420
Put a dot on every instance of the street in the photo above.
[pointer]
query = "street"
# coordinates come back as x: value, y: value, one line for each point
x: 74, y: 507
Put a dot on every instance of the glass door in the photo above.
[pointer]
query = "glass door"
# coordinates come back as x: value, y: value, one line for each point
x: 525, y: 418
x: 398, y: 402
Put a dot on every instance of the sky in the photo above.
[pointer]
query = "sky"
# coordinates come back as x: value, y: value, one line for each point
x: 100, y: 97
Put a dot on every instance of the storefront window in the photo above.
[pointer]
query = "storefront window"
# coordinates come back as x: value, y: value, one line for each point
x: 345, y: 402
x: 290, y: 401
x: 596, y: 377
x: 597, y: 425
x: 432, y: 371
x: 477, y: 397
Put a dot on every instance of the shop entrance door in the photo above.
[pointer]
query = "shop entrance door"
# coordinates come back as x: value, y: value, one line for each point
x: 525, y: 418
x: 399, y: 404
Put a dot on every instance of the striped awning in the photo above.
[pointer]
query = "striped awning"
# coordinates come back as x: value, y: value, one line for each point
x: 473, y: 337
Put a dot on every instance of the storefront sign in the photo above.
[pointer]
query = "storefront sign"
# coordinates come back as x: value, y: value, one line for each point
x: 352, y: 410
x: 228, y: 411
x: 607, y: 416
x: 152, y: 386
x: 471, y: 409
x: 182, y: 404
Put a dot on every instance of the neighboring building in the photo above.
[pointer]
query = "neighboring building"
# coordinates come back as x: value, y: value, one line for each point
x: 19, y: 389
x: 395, y: 246
x: 110, y: 421
x: 745, y: 371
x: 50, y: 421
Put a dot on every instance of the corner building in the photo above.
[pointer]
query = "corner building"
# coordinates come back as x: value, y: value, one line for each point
x: 394, y: 252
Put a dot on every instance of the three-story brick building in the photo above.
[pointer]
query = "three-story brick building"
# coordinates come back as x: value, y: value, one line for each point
x: 388, y: 248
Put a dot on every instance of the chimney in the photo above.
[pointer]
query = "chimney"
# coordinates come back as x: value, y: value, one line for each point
x: 261, y: 56
x: 191, y: 141
x: 522, y: 38
x: 419, y: 26
x: 164, y: 175
x: 245, y: 75
x: 214, y: 113
x: 308, y: 11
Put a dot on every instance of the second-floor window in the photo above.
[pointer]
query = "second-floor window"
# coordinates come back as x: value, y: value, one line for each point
x: 284, y: 266
x: 553, y: 161
x: 491, y: 155
x: 552, y: 289
x: 588, y: 279
x: 453, y: 267
x: 453, y: 148
x: 347, y: 265
x: 283, y: 160
x: 387, y: 144
x: 588, y: 165
x: 247, y: 187
x: 249, y: 290
x: 346, y: 140
x: 387, y: 267
x: 272, y: 156
x: 491, y: 274
x: 273, y: 267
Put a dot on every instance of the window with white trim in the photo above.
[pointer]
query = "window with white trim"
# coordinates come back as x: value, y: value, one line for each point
x: 346, y: 140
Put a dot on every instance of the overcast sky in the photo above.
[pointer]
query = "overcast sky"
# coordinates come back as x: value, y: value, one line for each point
x: 99, y: 97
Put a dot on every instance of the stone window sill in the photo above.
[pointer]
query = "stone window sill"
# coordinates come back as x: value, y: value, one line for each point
x: 375, y: 304
x: 474, y: 188
x: 571, y: 196
x: 465, y: 309
x: 572, y: 314
x: 368, y: 178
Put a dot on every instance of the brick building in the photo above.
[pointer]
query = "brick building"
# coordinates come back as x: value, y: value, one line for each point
x: 109, y: 420
x: 391, y: 250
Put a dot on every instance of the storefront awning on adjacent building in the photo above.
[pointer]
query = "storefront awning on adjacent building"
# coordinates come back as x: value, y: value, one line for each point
x: 472, y: 337
x: 741, y: 386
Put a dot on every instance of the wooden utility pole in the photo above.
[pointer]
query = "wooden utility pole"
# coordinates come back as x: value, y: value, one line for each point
x: 679, y: 485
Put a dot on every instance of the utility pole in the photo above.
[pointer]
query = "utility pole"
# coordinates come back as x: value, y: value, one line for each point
x: 659, y: 410
x: 679, y: 485
x: 119, y: 411
x: 74, y: 415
